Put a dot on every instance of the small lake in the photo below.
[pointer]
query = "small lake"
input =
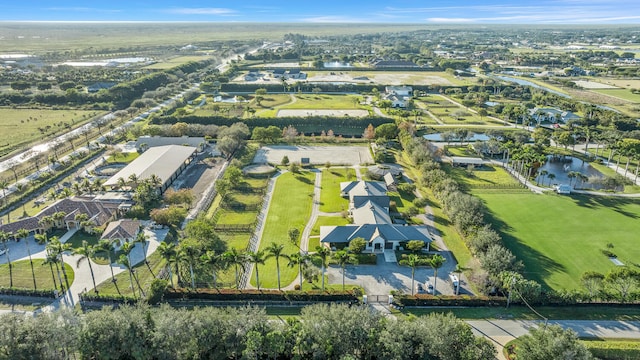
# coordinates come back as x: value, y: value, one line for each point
x: 562, y: 166
x: 337, y: 65
x: 474, y: 137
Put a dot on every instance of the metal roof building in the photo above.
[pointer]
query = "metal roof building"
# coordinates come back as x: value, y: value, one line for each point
x: 166, y: 162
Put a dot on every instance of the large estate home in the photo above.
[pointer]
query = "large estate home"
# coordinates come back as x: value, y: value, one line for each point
x: 369, y: 207
x: 68, y: 213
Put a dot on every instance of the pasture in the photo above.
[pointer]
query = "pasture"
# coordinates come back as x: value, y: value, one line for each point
x: 22, y: 278
x: 290, y: 208
x: 624, y: 94
x: 407, y: 77
x: 558, y: 238
x: 21, y: 127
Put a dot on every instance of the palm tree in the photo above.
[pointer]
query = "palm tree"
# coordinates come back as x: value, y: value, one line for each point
x: 4, y: 184
x: 299, y: 260
x: 322, y: 253
x: 43, y: 239
x: 543, y: 173
x: 257, y: 258
x: 58, y: 217
x: 106, y: 245
x: 121, y: 183
x: 133, y: 178
x: 24, y: 234
x: 4, y: 238
x: 46, y: 221
x: 142, y: 239
x: 275, y: 250
x: 57, y: 249
x: 86, y: 251
x: 190, y: 255
x: 124, y: 261
x: 126, y: 249
x: 551, y: 177
x: 343, y: 258
x: 436, y: 262
x: 412, y: 261
x: 572, y: 175
x: 155, y: 181
x: 235, y: 258
x: 179, y: 257
x: 21, y: 188
x: 215, y: 261
x: 167, y: 252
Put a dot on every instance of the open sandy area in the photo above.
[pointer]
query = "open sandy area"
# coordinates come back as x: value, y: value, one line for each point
x: 336, y: 155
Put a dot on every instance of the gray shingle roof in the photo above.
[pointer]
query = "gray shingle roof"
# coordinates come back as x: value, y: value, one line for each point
x: 389, y: 232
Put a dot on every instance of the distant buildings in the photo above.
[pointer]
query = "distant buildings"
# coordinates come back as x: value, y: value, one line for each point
x: 398, y: 95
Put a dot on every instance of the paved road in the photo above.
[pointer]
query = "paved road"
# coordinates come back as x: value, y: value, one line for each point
x: 500, y: 332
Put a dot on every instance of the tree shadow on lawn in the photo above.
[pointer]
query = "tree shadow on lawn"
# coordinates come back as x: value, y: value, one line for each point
x: 614, y: 203
x: 304, y: 179
x: 537, y: 266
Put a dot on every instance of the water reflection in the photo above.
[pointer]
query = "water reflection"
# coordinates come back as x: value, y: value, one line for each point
x: 562, y: 166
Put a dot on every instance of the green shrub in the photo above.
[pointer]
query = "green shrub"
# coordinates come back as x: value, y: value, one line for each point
x: 156, y: 291
x: 614, y: 350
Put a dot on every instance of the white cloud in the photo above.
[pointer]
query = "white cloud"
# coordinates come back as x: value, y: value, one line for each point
x: 202, y: 11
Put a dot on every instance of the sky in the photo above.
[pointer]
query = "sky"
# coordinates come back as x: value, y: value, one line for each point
x: 332, y: 11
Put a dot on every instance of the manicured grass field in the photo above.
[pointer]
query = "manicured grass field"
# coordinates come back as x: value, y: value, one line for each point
x: 290, y: 207
x: 558, y: 238
x: 321, y: 101
x: 123, y: 157
x: 19, y: 127
x: 625, y: 94
x: 123, y: 285
x: 327, y: 221
x: 330, y: 199
x: 22, y: 278
x: 482, y: 177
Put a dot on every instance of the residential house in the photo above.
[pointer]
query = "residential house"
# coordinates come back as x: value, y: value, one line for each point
x: 390, y: 181
x: 278, y: 73
x: 121, y: 232
x: 97, y: 213
x: 552, y: 115
x: 296, y: 74
x: 398, y: 95
x: 369, y: 208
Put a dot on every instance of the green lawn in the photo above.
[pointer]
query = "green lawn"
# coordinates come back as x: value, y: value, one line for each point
x: 560, y: 237
x: 628, y: 313
x: 123, y: 285
x: 482, y: 177
x: 290, y: 207
x: 22, y: 278
x: 330, y: 199
x: 624, y: 94
x: 327, y: 221
x: 460, y: 151
x: 321, y: 101
x: 126, y: 157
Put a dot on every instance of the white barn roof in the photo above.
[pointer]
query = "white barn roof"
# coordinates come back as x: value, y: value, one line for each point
x: 162, y: 161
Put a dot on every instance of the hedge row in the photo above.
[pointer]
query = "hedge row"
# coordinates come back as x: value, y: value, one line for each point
x: 27, y: 292
x: 610, y: 350
x: 259, y: 295
x: 120, y: 299
x: 448, y: 300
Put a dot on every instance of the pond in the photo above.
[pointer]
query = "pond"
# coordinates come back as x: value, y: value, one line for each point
x: 562, y: 166
x: 474, y: 137
x: 337, y: 64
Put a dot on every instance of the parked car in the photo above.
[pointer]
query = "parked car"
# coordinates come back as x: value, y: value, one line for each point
x: 419, y: 288
x: 429, y: 287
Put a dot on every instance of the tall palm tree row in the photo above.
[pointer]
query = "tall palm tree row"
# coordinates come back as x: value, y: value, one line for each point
x: 57, y: 249
x: 43, y: 239
x: 257, y: 258
x: 275, y: 250
x: 237, y: 259
x: 4, y: 238
x: 300, y: 260
x: 86, y: 251
x: 436, y: 262
x: 343, y: 257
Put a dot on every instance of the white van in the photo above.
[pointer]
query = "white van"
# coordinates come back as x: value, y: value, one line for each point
x: 453, y: 279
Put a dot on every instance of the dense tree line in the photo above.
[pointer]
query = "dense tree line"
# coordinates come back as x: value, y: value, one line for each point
x: 321, y: 332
